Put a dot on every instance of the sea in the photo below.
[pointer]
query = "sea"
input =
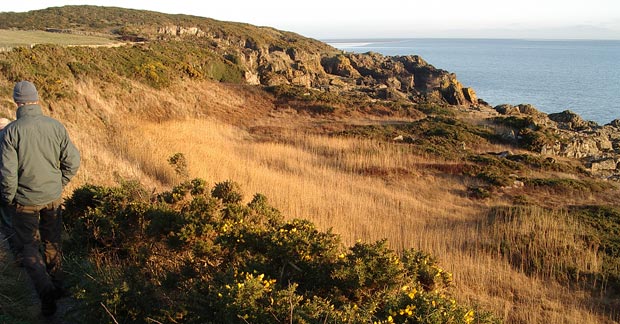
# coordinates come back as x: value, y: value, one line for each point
x: 582, y: 76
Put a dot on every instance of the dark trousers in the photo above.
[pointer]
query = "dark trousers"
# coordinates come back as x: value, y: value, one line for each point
x: 6, y: 226
x: 38, y: 231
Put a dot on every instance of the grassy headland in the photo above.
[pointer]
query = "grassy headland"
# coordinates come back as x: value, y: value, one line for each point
x: 526, y: 238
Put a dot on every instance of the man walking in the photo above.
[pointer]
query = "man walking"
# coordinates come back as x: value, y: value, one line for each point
x: 37, y: 160
x: 5, y: 212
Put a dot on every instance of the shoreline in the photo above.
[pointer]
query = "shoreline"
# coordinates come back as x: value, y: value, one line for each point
x: 519, y: 71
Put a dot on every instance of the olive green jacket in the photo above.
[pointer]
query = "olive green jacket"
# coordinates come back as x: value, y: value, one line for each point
x: 37, y: 159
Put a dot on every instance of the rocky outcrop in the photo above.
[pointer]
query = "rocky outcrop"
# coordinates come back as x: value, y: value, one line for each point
x: 380, y: 77
x: 339, y: 65
x: 614, y: 123
x: 568, y: 135
x: 536, y: 117
x: 604, y: 165
x: 571, y: 121
x: 587, y: 146
x: 470, y: 95
x: 173, y: 30
x: 409, y: 75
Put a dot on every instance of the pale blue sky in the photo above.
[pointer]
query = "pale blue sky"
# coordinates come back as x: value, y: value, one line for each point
x: 323, y: 19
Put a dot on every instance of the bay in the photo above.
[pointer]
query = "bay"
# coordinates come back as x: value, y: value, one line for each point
x: 553, y: 75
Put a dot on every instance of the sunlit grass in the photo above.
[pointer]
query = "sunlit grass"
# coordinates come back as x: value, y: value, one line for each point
x: 16, y: 38
x: 363, y: 189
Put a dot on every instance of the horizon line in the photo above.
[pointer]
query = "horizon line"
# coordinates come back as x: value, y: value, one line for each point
x: 383, y: 39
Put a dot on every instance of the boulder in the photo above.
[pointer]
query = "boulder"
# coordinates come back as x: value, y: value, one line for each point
x: 577, y: 147
x: 507, y: 109
x: 174, y: 30
x: 605, y: 164
x: 389, y: 93
x: 537, y: 118
x: 470, y: 95
x: 615, y: 123
x: 528, y: 109
x: 410, y: 75
x: 453, y: 95
x: 339, y: 65
x: 393, y: 82
x: 569, y: 120
x: 603, y: 141
x: 252, y: 78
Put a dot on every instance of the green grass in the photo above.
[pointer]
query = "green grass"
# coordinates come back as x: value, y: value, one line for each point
x: 20, y: 38
x: 158, y: 64
x: 120, y: 21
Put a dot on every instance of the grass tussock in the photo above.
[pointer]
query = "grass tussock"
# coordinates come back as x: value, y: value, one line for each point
x: 542, y: 243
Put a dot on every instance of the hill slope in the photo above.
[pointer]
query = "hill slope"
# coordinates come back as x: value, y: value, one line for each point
x: 527, y: 236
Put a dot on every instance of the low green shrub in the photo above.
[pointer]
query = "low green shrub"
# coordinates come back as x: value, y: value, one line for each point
x: 228, y: 191
x: 193, y: 255
x: 568, y: 185
x: 545, y: 163
x: 478, y: 192
x: 517, y: 123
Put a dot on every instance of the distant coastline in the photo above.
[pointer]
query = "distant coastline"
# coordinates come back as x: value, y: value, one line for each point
x: 357, y: 42
x: 399, y: 39
x: 348, y: 44
x: 581, y: 75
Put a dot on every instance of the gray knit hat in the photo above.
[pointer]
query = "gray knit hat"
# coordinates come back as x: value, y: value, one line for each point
x: 25, y: 91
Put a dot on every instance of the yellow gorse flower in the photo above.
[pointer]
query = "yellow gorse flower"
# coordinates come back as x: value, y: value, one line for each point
x: 469, y: 317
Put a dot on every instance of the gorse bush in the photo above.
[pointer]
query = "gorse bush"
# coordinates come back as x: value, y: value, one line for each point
x: 228, y: 191
x: 179, y: 162
x: 195, y: 255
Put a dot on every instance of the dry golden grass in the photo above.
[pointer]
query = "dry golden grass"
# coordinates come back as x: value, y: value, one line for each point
x: 362, y: 189
x: 325, y: 180
x: 309, y: 180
